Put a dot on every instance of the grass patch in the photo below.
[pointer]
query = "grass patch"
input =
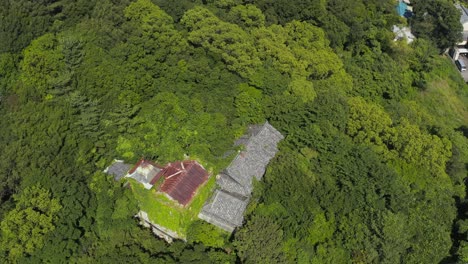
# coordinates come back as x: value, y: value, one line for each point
x: 446, y: 96
x: 444, y: 102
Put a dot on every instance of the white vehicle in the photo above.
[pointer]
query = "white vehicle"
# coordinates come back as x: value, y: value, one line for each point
x: 460, y: 65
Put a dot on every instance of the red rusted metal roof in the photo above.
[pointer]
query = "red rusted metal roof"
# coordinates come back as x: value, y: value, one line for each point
x: 182, y: 179
x: 136, y: 166
x: 155, y: 179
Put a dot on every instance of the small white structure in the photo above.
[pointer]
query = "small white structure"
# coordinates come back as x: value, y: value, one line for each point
x: 144, y: 172
x: 456, y: 52
x: 403, y: 33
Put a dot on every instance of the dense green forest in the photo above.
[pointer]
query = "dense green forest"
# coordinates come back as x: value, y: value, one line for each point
x: 372, y: 168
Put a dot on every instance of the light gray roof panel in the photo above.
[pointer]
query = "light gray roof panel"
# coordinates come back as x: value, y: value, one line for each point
x: 118, y: 169
x: 144, y: 173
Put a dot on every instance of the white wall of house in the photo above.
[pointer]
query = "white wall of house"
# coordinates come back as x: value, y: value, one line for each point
x: 456, y: 54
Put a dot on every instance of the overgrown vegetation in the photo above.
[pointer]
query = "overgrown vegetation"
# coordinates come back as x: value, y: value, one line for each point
x: 372, y: 168
x: 168, y: 213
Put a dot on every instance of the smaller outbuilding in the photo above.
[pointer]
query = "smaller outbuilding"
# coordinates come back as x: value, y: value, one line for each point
x: 145, y: 172
x: 118, y: 169
x: 403, y: 33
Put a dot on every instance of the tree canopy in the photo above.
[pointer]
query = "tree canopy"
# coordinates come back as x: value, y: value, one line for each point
x: 372, y: 168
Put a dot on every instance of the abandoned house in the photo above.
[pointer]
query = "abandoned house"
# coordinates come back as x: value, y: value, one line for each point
x: 181, y: 178
x: 180, y: 181
x: 226, y: 207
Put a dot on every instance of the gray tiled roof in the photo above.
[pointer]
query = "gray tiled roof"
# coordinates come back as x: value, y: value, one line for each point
x: 227, y: 206
x: 118, y: 169
x: 259, y: 150
x: 228, y: 184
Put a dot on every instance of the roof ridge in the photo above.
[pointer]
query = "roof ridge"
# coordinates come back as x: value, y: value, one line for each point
x: 245, y: 188
x: 235, y: 195
x: 232, y: 162
x: 232, y: 178
x: 171, y: 181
